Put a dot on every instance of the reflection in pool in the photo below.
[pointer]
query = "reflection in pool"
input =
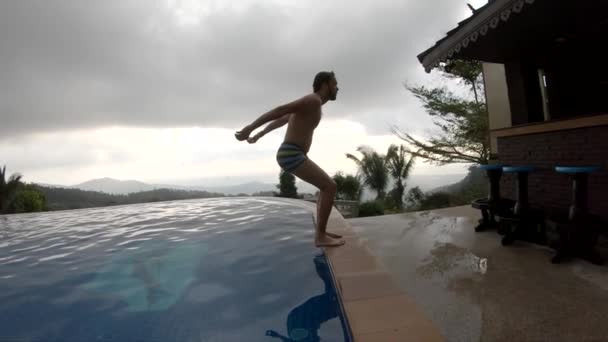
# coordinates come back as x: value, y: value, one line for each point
x: 304, y: 321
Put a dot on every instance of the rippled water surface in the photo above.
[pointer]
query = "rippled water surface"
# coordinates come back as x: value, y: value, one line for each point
x: 239, y: 269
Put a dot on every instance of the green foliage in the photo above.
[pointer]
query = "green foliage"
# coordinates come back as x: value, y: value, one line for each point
x: 287, y: 185
x: 413, y: 198
x: 372, y: 170
x: 466, y: 72
x: 435, y: 201
x: 399, y: 168
x: 372, y: 208
x: 463, y: 135
x: 391, y: 201
x: 349, y: 187
x: 28, y: 199
x: 376, y: 170
x: 8, y: 189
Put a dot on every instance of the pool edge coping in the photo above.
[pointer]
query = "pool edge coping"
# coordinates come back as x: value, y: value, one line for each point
x: 375, y: 308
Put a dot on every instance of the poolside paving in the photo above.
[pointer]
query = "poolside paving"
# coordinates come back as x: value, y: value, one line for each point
x: 377, y: 309
x: 470, y: 286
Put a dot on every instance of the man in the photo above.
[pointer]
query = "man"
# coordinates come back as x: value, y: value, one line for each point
x: 302, y: 116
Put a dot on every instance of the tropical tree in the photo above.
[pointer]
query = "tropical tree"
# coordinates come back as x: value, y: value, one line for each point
x: 399, y: 167
x: 372, y: 170
x: 348, y: 187
x: 414, y: 197
x: 287, y: 185
x: 8, y: 189
x: 463, y: 135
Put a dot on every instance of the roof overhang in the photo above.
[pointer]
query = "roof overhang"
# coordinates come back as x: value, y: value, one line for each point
x: 484, y: 20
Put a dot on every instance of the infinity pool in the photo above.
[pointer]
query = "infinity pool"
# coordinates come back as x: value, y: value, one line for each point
x: 239, y: 269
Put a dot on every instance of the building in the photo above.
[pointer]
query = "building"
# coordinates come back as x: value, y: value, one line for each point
x: 546, y: 83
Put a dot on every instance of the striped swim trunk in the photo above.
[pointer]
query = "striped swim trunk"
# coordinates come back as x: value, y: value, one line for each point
x: 290, y: 156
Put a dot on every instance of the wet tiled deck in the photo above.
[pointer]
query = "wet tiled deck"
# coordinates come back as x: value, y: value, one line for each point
x: 474, y: 289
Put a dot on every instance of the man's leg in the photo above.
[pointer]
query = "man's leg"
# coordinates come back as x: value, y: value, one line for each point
x: 309, y: 172
x: 333, y: 235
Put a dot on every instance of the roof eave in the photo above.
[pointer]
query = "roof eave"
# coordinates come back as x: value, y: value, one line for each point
x: 470, y: 30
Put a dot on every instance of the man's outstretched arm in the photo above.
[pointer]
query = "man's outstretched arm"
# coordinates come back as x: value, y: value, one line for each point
x: 270, y: 127
x: 293, y: 107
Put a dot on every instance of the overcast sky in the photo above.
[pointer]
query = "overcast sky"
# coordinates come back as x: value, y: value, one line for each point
x: 153, y: 90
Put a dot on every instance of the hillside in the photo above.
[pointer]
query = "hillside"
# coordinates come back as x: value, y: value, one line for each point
x: 63, y: 199
x: 473, y: 186
x: 473, y: 181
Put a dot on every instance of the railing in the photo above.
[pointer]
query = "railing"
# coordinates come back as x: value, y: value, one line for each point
x: 348, y: 209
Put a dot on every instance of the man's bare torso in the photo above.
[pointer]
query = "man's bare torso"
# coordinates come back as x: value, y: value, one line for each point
x: 301, y: 125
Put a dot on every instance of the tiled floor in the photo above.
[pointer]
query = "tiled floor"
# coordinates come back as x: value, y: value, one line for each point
x: 468, y: 285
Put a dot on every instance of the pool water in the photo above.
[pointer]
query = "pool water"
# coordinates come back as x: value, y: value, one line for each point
x: 238, y: 269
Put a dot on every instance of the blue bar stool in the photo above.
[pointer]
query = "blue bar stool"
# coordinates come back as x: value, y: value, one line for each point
x: 493, y: 204
x: 578, y: 230
x: 522, y: 223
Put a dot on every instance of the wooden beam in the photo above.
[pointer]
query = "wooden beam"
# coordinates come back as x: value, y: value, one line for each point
x: 552, y: 126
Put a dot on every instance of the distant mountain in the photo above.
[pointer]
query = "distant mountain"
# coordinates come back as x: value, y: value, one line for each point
x: 114, y: 186
x: 120, y: 187
x: 123, y: 187
x: 473, y: 186
x: 475, y: 179
x: 430, y: 182
x: 246, y: 188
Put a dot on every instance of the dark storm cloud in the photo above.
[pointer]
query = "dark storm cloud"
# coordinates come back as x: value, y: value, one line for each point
x: 85, y: 64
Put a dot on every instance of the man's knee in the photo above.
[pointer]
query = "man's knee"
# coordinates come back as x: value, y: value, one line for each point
x: 330, y: 187
x: 333, y: 187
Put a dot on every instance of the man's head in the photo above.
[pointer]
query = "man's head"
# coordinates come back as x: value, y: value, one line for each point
x: 325, y: 83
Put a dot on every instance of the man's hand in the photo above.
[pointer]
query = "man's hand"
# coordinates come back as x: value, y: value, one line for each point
x: 243, y: 134
x: 253, y: 139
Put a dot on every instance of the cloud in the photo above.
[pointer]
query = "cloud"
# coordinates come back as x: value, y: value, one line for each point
x: 180, y: 155
x: 74, y: 65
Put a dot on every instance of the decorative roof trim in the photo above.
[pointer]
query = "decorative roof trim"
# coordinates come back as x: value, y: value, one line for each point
x: 471, y: 29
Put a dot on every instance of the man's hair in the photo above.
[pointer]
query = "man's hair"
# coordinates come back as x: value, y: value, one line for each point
x: 322, y: 77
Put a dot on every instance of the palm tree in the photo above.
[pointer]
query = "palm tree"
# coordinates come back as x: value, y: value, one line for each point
x: 399, y: 168
x: 7, y: 189
x: 372, y: 170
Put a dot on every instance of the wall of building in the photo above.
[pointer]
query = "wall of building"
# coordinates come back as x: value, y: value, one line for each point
x: 497, y: 98
x: 547, y: 188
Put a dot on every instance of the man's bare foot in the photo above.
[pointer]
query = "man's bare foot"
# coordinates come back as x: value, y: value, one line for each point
x: 326, y: 241
x: 333, y: 235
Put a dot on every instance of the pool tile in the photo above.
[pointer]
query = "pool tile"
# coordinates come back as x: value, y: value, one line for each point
x: 386, y: 313
x: 366, y: 286
x: 401, y: 335
x: 351, y: 248
x: 357, y: 262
